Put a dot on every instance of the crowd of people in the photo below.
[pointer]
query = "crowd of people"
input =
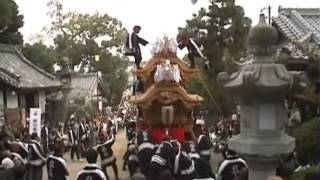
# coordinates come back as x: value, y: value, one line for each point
x: 171, y: 159
x: 24, y: 157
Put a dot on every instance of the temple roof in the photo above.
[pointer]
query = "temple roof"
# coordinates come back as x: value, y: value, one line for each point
x: 299, y: 24
x: 166, y: 94
x: 81, y: 85
x: 17, y: 71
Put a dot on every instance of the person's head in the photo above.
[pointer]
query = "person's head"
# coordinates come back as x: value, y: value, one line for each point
x: 34, y: 136
x: 60, y: 127
x: 197, y: 129
x: 17, y: 135
x: 132, y: 148
x: 7, y: 163
x: 138, y: 176
x: 274, y: 178
x: 167, y: 137
x: 231, y: 152
x: 82, y: 119
x: 91, y: 156
x: 182, y: 37
x: 101, y: 136
x: 188, y: 136
x: 136, y: 29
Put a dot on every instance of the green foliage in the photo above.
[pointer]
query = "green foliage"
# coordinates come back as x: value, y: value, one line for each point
x: 301, y: 174
x: 41, y: 55
x: 306, y: 137
x: 10, y: 22
x: 115, y: 76
x: 82, y: 36
x: 222, y: 28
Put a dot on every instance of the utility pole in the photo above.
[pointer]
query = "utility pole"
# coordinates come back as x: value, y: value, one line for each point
x: 97, y: 59
x: 269, y: 14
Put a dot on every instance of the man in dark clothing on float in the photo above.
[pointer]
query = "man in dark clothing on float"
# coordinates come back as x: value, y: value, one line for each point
x: 132, y: 45
x: 194, y: 49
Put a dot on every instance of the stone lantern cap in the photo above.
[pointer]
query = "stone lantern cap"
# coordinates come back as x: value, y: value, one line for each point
x: 262, y: 37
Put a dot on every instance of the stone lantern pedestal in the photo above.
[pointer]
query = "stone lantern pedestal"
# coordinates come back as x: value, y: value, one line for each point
x: 261, y: 87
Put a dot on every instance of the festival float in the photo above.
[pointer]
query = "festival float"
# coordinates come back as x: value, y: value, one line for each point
x: 165, y: 106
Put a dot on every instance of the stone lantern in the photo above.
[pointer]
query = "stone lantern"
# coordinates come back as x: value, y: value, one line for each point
x: 261, y: 87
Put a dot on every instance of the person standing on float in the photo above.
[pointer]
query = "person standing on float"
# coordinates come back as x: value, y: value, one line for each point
x: 133, y: 42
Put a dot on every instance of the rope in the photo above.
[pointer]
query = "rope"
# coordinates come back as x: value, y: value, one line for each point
x: 209, y: 93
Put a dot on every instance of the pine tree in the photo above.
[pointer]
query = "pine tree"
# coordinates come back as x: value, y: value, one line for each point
x: 10, y: 22
x: 222, y: 28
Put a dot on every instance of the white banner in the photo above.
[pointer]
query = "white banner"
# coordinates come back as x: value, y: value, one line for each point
x: 100, y: 105
x: 35, y: 121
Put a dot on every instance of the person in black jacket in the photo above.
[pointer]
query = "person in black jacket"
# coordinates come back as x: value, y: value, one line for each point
x: 162, y: 160
x: 203, y: 141
x: 105, y: 151
x: 74, y: 143
x: 82, y: 135
x: 184, y: 167
x: 230, y: 167
x: 130, y: 158
x: 56, y: 166
x: 45, y: 137
x: 132, y: 43
x: 91, y: 170
x: 36, y: 157
x: 204, y: 146
x: 145, y: 150
x: 194, y: 49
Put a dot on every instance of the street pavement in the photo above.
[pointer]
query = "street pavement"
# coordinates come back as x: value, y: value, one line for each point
x: 119, y: 149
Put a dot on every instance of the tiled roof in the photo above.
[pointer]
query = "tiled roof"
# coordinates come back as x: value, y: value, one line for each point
x: 9, y: 78
x: 298, y: 24
x: 83, y: 85
x: 16, y: 69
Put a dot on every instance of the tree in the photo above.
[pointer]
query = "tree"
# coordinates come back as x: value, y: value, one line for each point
x: 115, y: 76
x: 222, y: 28
x: 306, y: 141
x: 82, y: 36
x: 10, y: 22
x: 41, y: 55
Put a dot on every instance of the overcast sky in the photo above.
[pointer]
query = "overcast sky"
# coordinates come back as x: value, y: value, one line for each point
x: 157, y: 17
